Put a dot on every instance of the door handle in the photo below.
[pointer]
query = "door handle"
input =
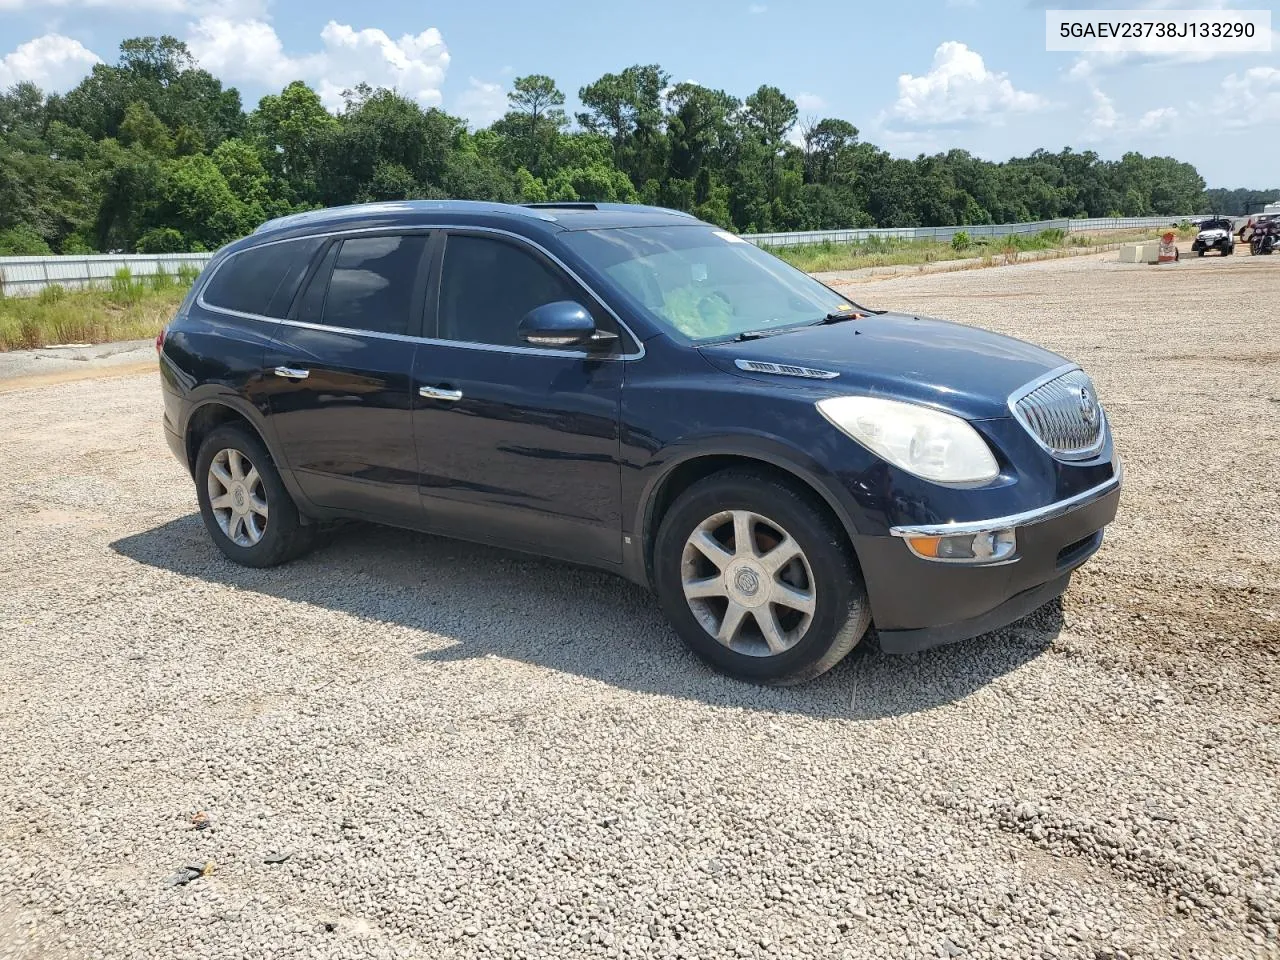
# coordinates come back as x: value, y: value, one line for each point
x: 439, y: 393
x: 291, y: 373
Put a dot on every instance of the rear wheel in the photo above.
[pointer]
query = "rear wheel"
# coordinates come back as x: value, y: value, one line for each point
x: 757, y: 580
x: 244, y: 503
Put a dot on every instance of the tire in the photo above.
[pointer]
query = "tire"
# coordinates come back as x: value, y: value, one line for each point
x: 1201, y: 252
x: 821, y: 572
x: 280, y: 534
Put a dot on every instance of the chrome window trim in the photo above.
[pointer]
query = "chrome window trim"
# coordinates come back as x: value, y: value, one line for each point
x: 467, y: 344
x: 1026, y: 519
x: 1036, y: 384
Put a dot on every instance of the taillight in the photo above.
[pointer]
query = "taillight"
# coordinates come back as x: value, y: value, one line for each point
x: 160, y: 339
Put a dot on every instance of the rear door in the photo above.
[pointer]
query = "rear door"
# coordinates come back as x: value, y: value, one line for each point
x: 517, y: 444
x: 341, y: 368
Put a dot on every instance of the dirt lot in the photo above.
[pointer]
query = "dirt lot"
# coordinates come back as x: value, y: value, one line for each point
x: 407, y: 747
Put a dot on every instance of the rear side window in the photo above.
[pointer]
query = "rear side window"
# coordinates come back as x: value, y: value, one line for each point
x: 262, y: 280
x: 488, y: 285
x: 366, y: 283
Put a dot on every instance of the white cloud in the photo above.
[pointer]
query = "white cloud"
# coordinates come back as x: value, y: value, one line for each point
x: 1246, y: 99
x: 250, y: 51
x: 238, y: 50
x: 757, y: 8
x: 959, y: 89
x: 1106, y: 122
x: 53, y: 62
x: 809, y: 102
x: 481, y: 103
x: 1104, y: 118
x: 1158, y: 121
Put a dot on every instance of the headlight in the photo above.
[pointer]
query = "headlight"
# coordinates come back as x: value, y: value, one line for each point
x: 930, y: 444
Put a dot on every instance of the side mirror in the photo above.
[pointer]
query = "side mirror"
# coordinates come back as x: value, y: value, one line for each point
x: 562, y: 323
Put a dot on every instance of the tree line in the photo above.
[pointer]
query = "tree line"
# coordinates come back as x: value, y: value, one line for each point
x: 153, y: 154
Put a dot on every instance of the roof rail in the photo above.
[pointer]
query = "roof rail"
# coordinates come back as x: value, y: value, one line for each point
x: 397, y: 206
x: 587, y: 205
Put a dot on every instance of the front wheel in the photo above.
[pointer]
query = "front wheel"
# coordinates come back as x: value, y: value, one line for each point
x: 757, y: 580
x: 244, y: 503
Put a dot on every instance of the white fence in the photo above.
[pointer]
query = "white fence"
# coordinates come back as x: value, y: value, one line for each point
x: 24, y: 276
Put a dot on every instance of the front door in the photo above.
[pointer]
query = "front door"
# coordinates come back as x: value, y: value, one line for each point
x: 341, y: 372
x: 516, y: 444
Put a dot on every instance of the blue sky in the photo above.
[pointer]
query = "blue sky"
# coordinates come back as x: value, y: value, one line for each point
x: 915, y: 76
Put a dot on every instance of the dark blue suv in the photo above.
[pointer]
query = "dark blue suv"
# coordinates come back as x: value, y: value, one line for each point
x: 631, y: 388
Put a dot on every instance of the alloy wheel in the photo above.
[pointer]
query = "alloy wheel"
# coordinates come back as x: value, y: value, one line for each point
x: 237, y: 497
x: 748, y: 583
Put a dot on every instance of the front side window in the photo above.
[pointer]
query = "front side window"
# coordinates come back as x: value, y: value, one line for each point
x: 702, y: 282
x: 366, y: 283
x: 261, y: 280
x: 488, y: 285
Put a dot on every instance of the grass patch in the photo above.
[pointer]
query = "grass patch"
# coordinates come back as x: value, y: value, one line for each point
x: 134, y: 308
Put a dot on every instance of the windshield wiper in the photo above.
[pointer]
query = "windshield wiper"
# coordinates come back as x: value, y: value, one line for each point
x: 837, y: 316
x: 760, y: 334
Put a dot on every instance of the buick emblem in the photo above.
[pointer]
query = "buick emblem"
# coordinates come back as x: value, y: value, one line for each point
x: 747, y: 582
x: 239, y: 497
x: 1088, y: 407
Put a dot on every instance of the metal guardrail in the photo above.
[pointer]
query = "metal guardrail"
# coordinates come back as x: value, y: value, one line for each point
x: 944, y: 234
x: 26, y: 276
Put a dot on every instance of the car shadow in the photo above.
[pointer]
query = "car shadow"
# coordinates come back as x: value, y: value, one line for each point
x: 491, y: 602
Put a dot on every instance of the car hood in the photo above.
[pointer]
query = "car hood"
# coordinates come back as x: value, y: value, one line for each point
x: 957, y: 368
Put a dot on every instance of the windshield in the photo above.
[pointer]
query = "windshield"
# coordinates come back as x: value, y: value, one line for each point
x: 1216, y: 225
x: 705, y: 283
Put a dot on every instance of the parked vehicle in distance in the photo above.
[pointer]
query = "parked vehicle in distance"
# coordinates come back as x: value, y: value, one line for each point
x: 1265, y: 237
x: 630, y: 388
x: 1245, y: 228
x: 1215, y: 234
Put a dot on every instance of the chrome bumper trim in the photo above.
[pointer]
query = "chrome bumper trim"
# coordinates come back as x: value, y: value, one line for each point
x: 1026, y: 519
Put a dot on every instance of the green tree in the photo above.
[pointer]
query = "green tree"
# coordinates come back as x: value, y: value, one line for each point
x: 626, y: 107
x: 143, y: 129
x: 291, y: 131
x: 534, y: 121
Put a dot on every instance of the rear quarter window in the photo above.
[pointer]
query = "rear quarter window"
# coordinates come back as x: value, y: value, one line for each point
x: 261, y: 280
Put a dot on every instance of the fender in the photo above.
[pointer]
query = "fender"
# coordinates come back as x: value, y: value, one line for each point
x: 223, y: 395
x: 767, y: 448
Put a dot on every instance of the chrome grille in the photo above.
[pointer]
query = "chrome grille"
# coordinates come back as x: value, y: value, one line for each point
x: 1063, y: 413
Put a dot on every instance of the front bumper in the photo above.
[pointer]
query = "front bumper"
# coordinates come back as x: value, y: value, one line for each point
x: 919, y: 603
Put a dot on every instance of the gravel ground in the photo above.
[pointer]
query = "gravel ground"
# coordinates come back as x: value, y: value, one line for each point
x: 74, y: 358
x: 406, y: 747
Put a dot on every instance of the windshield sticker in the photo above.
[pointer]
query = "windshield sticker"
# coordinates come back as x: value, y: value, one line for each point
x: 699, y: 272
x: 731, y: 238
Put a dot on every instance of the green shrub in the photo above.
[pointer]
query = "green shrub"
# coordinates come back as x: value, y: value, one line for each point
x: 78, y: 244
x: 53, y: 293
x: 125, y: 288
x: 961, y: 240
x: 161, y: 240
x: 22, y: 241
x: 161, y: 281
x: 187, y: 274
